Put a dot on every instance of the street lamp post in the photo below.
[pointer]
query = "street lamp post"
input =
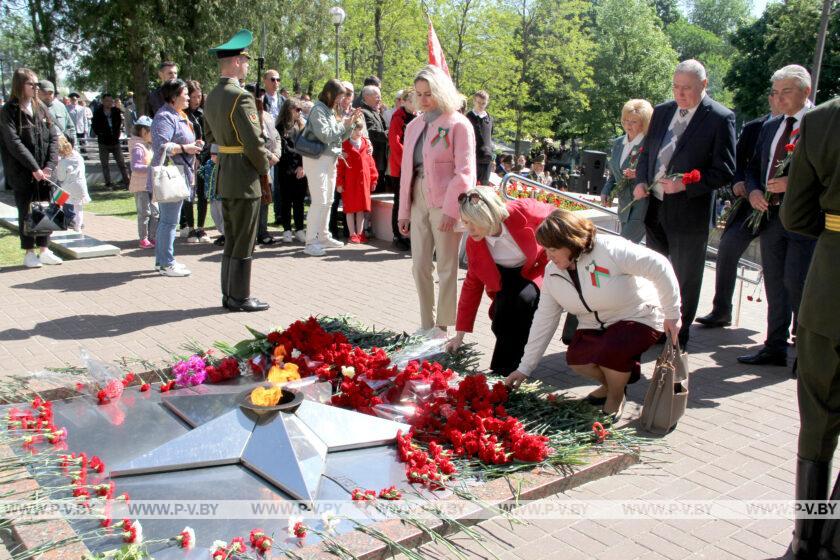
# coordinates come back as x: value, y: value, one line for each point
x: 337, y: 15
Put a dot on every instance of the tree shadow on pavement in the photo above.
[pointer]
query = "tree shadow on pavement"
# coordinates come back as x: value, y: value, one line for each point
x: 88, y: 326
x: 87, y: 282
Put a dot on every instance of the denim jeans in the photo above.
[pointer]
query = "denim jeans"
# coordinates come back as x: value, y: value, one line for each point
x: 170, y: 213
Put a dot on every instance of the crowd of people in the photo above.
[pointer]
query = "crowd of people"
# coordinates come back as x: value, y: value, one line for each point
x: 238, y: 147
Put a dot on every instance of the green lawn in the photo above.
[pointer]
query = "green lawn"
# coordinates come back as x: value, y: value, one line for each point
x: 121, y: 205
x: 10, y: 251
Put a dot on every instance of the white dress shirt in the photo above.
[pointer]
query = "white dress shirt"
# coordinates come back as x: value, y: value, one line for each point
x: 628, y: 147
x: 684, y: 121
x: 798, y: 116
x: 504, y: 249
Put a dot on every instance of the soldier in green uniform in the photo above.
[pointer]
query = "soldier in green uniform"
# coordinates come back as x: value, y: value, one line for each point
x: 812, y: 207
x: 230, y: 116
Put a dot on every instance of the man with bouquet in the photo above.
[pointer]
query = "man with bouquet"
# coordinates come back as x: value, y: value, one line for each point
x: 785, y: 256
x: 691, y: 133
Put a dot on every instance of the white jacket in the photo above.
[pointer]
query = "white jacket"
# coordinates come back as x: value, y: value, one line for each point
x: 70, y: 175
x: 619, y: 281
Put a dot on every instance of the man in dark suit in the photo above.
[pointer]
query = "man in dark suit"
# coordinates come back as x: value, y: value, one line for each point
x: 377, y: 130
x: 107, y: 124
x: 785, y: 256
x: 736, y: 237
x: 167, y: 70
x: 691, y: 132
x: 812, y: 207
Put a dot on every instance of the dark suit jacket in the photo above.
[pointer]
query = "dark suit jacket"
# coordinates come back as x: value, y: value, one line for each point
x: 756, y: 177
x: 708, y: 145
x: 108, y: 135
x: 745, y: 148
x: 814, y: 191
x: 378, y: 134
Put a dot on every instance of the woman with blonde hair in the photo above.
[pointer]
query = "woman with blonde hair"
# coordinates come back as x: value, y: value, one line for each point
x: 504, y: 260
x: 623, y: 294
x: 29, y: 149
x: 635, y: 119
x: 438, y: 165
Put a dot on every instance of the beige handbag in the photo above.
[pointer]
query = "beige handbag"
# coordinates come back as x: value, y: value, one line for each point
x: 667, y: 395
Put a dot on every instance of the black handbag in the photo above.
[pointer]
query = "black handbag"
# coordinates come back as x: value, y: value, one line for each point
x: 44, y: 218
x: 306, y: 147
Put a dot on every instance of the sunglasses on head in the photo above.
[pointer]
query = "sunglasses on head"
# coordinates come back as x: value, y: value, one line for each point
x: 473, y: 198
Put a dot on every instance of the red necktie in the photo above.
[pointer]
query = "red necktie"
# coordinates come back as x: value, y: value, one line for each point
x: 780, y: 154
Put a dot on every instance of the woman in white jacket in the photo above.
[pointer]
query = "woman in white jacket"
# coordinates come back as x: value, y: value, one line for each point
x: 623, y: 294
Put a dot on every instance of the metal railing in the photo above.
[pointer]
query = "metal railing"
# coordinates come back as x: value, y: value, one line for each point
x: 743, y: 264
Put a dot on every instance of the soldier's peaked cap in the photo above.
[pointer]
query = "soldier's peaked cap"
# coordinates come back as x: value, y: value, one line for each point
x: 236, y: 45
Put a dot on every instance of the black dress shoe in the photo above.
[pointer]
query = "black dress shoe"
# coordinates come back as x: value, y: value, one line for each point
x: 249, y: 305
x: 715, y: 320
x: 220, y: 241
x: 402, y: 244
x: 764, y: 357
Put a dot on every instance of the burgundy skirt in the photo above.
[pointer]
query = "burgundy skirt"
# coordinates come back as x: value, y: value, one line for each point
x: 619, y: 347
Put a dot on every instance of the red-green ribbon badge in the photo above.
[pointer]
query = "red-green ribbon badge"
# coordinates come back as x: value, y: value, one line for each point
x: 442, y: 134
x: 596, y: 272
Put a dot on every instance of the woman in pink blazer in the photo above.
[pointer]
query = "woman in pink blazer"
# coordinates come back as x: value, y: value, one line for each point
x: 505, y: 260
x: 438, y: 165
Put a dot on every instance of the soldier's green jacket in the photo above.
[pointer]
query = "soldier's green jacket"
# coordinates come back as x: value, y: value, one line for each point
x: 230, y: 118
x: 814, y: 190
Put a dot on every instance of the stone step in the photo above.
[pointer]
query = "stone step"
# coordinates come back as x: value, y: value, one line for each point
x: 68, y: 244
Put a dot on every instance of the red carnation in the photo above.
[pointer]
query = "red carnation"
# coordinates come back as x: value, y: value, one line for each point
x: 145, y: 387
x: 692, y: 176
x: 790, y: 147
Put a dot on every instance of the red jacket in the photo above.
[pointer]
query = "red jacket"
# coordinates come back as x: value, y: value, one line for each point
x: 526, y: 215
x: 357, y: 176
x: 396, y: 133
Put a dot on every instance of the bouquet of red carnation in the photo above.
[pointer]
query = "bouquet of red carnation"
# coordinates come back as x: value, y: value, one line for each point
x: 689, y: 178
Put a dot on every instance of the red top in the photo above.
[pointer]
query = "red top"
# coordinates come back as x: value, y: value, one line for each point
x: 396, y: 132
x: 357, y: 176
x: 526, y: 215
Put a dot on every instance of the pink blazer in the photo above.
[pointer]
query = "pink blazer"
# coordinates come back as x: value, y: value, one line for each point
x: 448, y: 162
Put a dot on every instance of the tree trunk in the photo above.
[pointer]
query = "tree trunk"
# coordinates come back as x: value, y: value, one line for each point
x: 377, y: 39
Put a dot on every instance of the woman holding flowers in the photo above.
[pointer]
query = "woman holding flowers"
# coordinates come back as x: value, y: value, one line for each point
x: 635, y: 118
x: 503, y: 259
x: 438, y: 165
x: 623, y: 294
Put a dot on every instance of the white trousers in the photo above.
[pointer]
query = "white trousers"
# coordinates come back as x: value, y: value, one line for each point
x: 429, y: 244
x: 320, y: 174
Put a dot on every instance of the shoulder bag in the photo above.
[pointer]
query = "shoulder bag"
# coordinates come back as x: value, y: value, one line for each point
x: 667, y: 396
x: 168, y: 182
x: 43, y: 217
x: 311, y: 148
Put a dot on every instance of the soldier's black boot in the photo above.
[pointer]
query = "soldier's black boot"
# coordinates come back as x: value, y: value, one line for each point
x: 239, y: 287
x: 811, y: 484
x: 225, y: 281
x: 830, y: 542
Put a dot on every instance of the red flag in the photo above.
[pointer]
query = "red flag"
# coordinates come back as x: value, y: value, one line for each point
x: 436, y: 57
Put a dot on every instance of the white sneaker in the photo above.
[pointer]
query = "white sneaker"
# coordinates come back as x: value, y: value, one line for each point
x: 331, y: 243
x: 49, y: 258
x: 31, y: 260
x: 314, y: 250
x: 287, y: 236
x: 175, y: 271
x: 300, y: 235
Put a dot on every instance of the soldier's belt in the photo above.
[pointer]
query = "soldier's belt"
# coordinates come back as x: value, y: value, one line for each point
x: 832, y: 222
x: 231, y: 149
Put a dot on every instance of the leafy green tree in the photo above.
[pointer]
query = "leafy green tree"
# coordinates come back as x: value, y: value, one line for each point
x: 667, y: 10
x: 693, y: 41
x: 634, y: 60
x: 784, y: 34
x: 720, y: 16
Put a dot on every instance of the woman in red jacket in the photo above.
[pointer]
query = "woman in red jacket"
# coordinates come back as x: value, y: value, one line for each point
x: 356, y: 178
x: 505, y: 260
x: 396, y: 132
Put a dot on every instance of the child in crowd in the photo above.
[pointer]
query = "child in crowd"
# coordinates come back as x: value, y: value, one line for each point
x: 140, y: 147
x: 70, y: 176
x: 208, y: 173
x: 355, y: 180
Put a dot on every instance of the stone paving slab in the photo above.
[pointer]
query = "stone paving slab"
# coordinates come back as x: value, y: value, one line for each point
x: 737, y: 440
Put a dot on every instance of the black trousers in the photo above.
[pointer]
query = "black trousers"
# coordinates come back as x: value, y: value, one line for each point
x: 114, y: 150
x: 483, y: 170
x: 786, y: 258
x: 687, y: 252
x: 22, y: 201
x: 337, y: 219
x: 290, y: 192
x: 736, y: 238
x: 513, y: 313
x: 188, y: 217
x: 394, y: 185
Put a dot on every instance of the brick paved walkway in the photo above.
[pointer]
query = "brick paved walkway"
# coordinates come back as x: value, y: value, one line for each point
x: 737, y: 440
